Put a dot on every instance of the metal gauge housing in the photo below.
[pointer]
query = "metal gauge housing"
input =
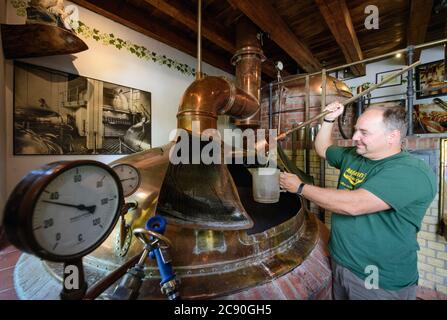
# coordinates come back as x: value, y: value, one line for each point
x: 129, y: 177
x: 64, y: 210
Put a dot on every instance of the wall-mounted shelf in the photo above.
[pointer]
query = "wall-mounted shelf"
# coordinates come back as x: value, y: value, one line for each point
x: 38, y: 40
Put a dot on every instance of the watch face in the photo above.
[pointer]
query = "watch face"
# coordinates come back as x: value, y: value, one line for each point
x: 129, y: 177
x: 76, y: 210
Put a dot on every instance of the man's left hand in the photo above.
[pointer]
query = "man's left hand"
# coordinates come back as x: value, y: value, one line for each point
x: 289, y: 181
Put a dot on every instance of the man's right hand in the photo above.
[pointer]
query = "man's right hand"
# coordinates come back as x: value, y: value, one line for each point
x: 336, y: 108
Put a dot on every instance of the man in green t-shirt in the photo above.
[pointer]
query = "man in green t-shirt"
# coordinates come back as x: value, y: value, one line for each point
x: 381, y: 198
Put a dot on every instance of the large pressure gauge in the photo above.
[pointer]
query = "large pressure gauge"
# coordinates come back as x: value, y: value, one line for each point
x: 64, y: 210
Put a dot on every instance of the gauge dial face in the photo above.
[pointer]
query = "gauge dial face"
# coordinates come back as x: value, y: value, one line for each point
x: 76, y: 210
x: 279, y: 65
x: 129, y: 177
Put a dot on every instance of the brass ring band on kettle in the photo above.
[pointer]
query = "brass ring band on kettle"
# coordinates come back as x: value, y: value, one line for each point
x: 142, y: 235
x: 255, y: 52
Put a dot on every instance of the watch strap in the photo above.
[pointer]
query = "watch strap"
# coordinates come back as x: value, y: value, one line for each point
x: 300, y: 189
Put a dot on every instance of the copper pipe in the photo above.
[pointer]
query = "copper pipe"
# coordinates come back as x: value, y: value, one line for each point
x: 208, y: 97
x: 205, y: 98
x: 248, y: 59
x: 199, y: 40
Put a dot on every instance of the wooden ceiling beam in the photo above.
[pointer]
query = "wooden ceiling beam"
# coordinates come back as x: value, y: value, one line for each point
x: 266, y: 18
x: 180, y: 13
x: 337, y: 17
x: 420, y: 14
x: 137, y: 20
x: 210, y: 31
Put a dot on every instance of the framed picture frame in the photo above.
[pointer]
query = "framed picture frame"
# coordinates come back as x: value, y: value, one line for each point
x: 389, y: 103
x: 346, y: 74
x: 430, y: 118
x: 442, y: 215
x: 431, y: 80
x: 59, y: 113
x: 382, y: 75
x: 445, y: 64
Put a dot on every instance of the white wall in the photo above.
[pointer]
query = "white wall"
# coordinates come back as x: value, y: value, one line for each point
x: 109, y: 64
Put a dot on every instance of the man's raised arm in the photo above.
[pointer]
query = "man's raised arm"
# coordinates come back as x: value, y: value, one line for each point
x: 324, y: 136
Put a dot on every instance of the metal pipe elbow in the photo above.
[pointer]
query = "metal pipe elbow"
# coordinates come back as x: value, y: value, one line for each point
x: 208, y: 97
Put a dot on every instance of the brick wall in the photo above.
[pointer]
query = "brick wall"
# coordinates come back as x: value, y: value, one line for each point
x: 432, y: 257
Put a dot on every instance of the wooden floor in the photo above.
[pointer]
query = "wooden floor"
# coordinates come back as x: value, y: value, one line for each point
x: 9, y: 256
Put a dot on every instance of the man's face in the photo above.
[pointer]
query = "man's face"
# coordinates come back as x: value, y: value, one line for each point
x: 370, y: 136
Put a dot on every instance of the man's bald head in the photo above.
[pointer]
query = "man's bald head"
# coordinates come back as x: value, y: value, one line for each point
x: 394, y: 118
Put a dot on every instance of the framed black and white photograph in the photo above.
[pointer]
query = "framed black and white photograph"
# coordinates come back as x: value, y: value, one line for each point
x: 430, y: 80
x: 60, y: 113
x: 380, y: 76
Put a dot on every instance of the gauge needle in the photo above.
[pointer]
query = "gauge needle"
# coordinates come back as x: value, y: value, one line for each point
x: 81, y: 207
x: 128, y: 179
x: 80, y: 216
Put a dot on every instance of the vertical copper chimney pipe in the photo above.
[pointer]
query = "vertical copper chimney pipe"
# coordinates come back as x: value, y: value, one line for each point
x: 199, y: 40
x: 248, y: 59
x: 207, y: 97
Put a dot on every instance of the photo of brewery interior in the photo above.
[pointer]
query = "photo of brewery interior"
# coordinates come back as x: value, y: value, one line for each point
x: 152, y: 78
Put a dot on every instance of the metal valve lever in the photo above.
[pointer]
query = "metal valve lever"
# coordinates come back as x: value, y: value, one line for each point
x: 169, y: 284
x: 153, y: 242
x: 130, y: 285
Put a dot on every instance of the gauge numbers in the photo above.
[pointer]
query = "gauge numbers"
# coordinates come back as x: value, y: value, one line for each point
x: 129, y: 177
x: 75, y: 210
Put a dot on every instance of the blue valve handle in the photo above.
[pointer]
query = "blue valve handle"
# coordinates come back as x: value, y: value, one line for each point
x: 158, y: 224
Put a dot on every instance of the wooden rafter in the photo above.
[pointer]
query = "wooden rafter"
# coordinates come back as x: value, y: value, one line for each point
x: 420, y: 14
x: 337, y: 17
x: 265, y: 17
x: 210, y: 31
x: 180, y: 13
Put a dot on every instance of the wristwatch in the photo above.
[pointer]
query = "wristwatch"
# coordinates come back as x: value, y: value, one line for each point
x: 300, y: 189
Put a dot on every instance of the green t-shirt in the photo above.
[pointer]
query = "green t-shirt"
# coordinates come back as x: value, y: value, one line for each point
x: 385, y: 239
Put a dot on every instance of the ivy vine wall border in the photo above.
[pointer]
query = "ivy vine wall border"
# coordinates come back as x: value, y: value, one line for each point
x: 109, y: 39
